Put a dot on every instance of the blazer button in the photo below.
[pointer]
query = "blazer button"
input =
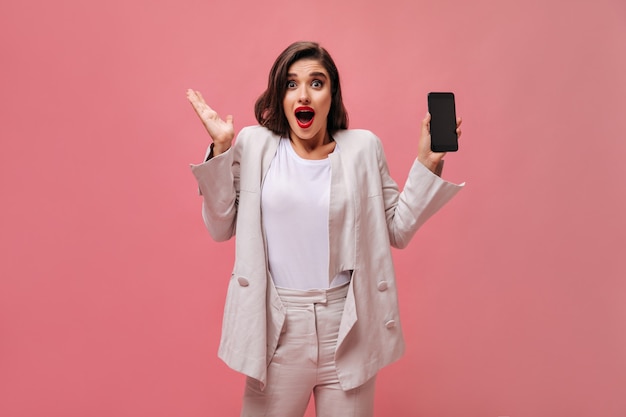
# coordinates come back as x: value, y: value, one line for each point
x: 390, y: 324
x: 382, y: 286
x: 243, y: 282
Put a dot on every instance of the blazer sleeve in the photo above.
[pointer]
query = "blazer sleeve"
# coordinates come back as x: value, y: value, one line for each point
x: 423, y: 195
x: 218, y: 182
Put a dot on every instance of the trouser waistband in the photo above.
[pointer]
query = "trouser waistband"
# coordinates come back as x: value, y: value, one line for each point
x: 313, y: 296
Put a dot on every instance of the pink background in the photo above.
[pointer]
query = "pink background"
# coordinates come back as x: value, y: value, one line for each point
x: 111, y: 292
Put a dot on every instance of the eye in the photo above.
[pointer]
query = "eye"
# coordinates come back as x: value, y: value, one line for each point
x: 317, y: 84
x: 291, y: 84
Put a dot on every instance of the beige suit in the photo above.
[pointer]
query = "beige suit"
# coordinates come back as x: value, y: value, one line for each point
x: 367, y: 216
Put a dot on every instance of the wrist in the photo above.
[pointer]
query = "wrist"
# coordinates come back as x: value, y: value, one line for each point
x: 428, y: 163
x: 434, y: 166
x: 219, y: 148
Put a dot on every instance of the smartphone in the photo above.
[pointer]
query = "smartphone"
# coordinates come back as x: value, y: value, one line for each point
x: 443, y: 137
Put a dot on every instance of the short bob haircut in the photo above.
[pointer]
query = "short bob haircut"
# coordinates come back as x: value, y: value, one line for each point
x: 269, y: 109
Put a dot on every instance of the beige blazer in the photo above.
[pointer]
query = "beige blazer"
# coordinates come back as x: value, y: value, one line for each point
x: 367, y: 216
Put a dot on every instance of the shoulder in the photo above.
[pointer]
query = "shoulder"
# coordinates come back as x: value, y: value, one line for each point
x: 254, y: 143
x: 255, y: 137
x: 355, y: 134
x: 357, y: 140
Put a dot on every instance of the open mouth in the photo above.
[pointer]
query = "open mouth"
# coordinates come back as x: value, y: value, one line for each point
x: 304, y: 116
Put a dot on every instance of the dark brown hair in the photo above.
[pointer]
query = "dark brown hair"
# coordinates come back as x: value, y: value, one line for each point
x: 269, y: 109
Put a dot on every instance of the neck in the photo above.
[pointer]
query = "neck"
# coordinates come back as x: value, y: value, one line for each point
x: 314, y: 148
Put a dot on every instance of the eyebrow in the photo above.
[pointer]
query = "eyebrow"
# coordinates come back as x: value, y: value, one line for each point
x: 312, y: 74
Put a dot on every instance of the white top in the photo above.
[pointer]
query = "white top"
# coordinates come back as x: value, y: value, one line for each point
x: 295, y: 203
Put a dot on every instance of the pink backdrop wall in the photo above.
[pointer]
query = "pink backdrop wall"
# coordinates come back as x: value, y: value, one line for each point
x: 111, y: 292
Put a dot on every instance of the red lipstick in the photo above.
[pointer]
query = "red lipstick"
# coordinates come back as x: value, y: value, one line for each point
x: 304, y: 116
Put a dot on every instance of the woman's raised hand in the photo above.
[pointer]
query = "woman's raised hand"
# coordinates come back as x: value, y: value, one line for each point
x: 425, y: 155
x: 221, y: 132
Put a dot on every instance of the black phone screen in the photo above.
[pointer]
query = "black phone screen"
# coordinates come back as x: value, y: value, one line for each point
x: 442, y: 122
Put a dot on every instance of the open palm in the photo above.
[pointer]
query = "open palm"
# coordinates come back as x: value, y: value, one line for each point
x: 221, y: 131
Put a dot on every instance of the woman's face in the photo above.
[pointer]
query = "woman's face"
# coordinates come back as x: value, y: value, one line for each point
x: 307, y: 100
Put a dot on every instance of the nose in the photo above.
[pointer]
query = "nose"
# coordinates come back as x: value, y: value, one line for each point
x: 304, y: 95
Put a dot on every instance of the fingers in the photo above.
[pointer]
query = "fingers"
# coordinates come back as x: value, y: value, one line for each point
x: 203, y: 110
x: 195, y: 97
x: 458, y: 127
x: 426, y: 124
x: 200, y: 97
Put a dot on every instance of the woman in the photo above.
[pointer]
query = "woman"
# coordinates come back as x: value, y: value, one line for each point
x: 312, y: 303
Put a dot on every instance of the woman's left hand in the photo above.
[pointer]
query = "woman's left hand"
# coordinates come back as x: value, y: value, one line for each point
x: 425, y: 155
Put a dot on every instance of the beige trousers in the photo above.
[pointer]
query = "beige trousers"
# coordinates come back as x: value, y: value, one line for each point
x: 304, y: 363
